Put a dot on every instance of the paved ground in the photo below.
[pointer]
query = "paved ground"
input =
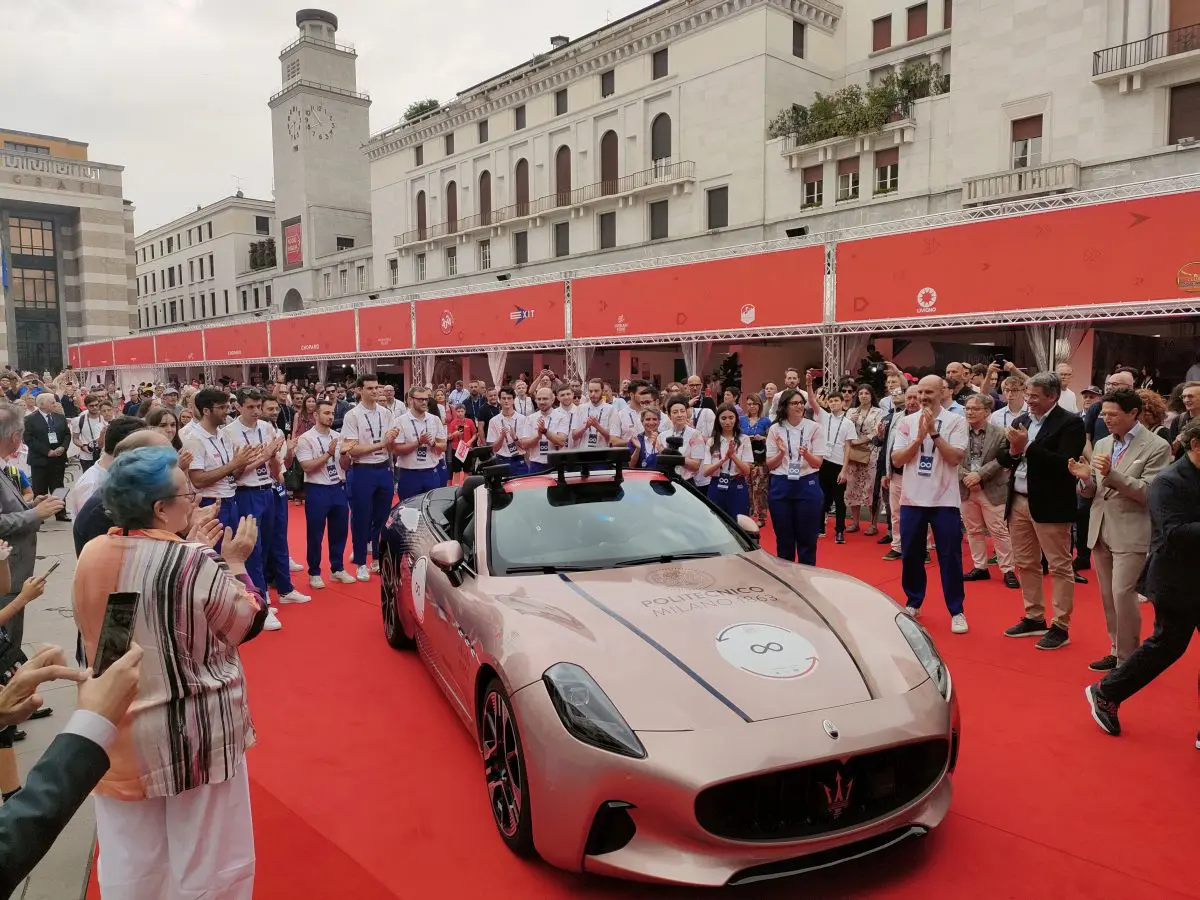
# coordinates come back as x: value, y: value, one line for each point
x: 63, y: 873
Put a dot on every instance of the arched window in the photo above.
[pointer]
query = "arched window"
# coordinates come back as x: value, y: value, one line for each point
x: 485, y: 198
x: 562, y: 175
x: 451, y: 208
x: 422, y: 221
x: 608, y: 163
x: 522, y: 188
x: 660, y: 137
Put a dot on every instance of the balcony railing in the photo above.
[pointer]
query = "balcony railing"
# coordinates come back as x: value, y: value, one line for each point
x: 663, y: 172
x: 1050, y: 178
x: 303, y: 82
x: 1139, y: 53
x: 308, y: 39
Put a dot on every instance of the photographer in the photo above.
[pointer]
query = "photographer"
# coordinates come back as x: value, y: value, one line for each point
x: 87, y: 431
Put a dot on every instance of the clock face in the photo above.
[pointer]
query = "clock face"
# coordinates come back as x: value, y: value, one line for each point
x: 295, y: 123
x: 319, y: 122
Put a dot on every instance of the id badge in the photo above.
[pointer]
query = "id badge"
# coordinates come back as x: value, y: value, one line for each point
x: 512, y: 448
x: 925, y: 465
x: 723, y: 481
x: 543, y: 446
x: 794, y: 470
x: 331, y: 471
x: 593, y: 439
x: 52, y: 437
x: 422, y: 453
x: 261, y: 471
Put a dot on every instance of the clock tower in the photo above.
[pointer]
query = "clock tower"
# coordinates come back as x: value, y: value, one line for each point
x: 319, y: 123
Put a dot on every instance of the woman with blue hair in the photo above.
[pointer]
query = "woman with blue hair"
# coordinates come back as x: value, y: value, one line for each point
x: 173, y: 812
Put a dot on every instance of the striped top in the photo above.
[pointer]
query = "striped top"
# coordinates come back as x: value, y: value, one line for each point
x: 190, y: 724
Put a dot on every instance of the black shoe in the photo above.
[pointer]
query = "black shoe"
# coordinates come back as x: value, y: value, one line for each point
x: 44, y: 713
x: 1104, y: 664
x: 1011, y: 581
x: 977, y: 575
x: 892, y: 556
x: 886, y: 539
x: 1081, y: 563
x: 839, y: 538
x: 1027, y: 628
x: 19, y: 735
x: 1079, y: 579
x: 1054, y: 639
x: 993, y: 560
x: 1105, y: 711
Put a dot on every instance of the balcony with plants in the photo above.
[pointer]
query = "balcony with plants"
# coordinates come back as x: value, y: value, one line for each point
x: 856, y: 112
x: 262, y: 255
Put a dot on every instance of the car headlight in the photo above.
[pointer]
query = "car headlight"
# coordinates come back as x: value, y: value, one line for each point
x: 587, y: 713
x: 922, y: 645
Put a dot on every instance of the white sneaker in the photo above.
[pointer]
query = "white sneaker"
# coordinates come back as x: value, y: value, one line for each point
x: 958, y: 624
x: 295, y: 597
x: 375, y: 566
x: 912, y: 612
x: 316, y: 582
x: 363, y: 574
x: 272, y: 623
x: 294, y: 566
x: 342, y: 577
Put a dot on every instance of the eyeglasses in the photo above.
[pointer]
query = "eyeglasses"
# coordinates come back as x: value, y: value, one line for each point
x: 795, y: 403
x: 191, y: 496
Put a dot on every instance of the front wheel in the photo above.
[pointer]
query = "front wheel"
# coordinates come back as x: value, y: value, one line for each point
x: 504, y: 770
x: 389, y: 600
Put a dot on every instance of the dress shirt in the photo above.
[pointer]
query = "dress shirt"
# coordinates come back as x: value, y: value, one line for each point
x: 1021, y: 476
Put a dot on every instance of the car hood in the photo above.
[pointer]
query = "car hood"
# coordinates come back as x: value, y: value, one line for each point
x: 687, y: 645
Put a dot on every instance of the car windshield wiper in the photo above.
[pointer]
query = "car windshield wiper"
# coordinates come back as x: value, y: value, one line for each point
x: 665, y: 558
x: 545, y: 569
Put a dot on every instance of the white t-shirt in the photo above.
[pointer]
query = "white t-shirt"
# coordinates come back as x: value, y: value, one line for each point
x: 626, y: 422
x: 1068, y: 401
x: 209, y: 451
x: 525, y: 406
x: 1003, y: 417
x: 592, y: 439
x: 514, y: 423
x: 693, y: 447
x: 88, y: 430
x: 239, y: 434
x: 83, y: 488
x: 411, y: 428
x: 808, y: 434
x: 703, y: 420
x: 929, y: 480
x: 313, y: 445
x: 367, y: 426
x: 539, y: 452
x: 836, y: 430
x: 714, y: 454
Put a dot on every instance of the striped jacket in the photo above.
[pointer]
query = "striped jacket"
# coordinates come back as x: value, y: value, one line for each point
x: 190, y: 724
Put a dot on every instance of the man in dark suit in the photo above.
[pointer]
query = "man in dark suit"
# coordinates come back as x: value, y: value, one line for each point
x: 1168, y: 579
x: 72, y: 765
x: 47, y: 436
x: 1042, y: 507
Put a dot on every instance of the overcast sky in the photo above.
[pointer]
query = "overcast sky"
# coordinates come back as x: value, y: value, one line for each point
x: 176, y: 90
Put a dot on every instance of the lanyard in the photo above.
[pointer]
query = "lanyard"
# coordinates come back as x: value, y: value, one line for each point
x: 257, y: 434
x: 323, y: 449
x: 424, y: 428
x: 787, y: 431
x: 367, y: 421
x: 726, y: 465
x: 1118, y: 454
x: 841, y: 421
x: 937, y: 429
x: 217, y: 449
x: 696, y: 416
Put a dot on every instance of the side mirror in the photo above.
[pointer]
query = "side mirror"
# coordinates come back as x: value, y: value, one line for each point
x: 747, y: 525
x: 447, y: 555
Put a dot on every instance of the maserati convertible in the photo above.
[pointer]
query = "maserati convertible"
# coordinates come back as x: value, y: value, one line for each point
x: 654, y: 696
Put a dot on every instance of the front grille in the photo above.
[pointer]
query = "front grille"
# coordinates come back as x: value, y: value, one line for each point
x: 809, y: 801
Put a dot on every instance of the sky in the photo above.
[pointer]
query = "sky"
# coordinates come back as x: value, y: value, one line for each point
x: 176, y: 90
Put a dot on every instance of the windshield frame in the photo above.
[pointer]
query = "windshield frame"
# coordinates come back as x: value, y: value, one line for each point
x: 497, y: 566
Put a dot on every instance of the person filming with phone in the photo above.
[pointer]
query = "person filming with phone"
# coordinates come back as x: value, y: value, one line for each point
x: 173, y: 811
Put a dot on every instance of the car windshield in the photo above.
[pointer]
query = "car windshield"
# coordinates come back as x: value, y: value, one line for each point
x: 599, y: 524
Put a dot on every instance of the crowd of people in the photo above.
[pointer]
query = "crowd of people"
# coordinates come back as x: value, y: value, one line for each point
x: 183, y: 495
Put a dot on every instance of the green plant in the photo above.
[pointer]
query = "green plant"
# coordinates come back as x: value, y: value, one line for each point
x: 420, y: 108
x: 855, y: 110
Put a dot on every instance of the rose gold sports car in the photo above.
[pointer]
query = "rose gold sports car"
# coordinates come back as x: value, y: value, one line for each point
x: 654, y: 696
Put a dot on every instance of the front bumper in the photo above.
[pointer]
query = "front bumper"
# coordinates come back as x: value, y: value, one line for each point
x: 569, y: 781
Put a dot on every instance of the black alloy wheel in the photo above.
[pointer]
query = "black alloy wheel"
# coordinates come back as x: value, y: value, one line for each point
x: 389, y: 601
x: 504, y: 770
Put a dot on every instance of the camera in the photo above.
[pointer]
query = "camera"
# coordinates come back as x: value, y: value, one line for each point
x: 999, y: 360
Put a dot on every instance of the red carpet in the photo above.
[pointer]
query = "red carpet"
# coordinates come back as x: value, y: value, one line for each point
x: 366, y: 786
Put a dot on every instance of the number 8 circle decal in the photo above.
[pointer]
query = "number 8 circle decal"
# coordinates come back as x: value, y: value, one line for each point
x: 768, y: 651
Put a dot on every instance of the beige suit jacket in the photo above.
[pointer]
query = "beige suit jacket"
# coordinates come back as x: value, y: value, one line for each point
x: 993, y: 477
x: 1119, y: 498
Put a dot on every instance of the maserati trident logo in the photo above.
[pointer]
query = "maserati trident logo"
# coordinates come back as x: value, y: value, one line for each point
x: 447, y: 322
x: 838, y: 797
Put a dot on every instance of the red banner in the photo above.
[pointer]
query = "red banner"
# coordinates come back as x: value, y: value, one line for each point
x: 235, y: 342
x: 760, y: 291
x: 314, y: 334
x: 293, y: 247
x: 134, y: 351
x: 1127, y: 252
x: 73, y: 356
x: 181, y: 347
x: 385, y: 328
x: 515, y: 315
x: 97, y: 355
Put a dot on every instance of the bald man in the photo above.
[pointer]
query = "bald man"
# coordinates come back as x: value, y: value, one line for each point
x: 47, y: 435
